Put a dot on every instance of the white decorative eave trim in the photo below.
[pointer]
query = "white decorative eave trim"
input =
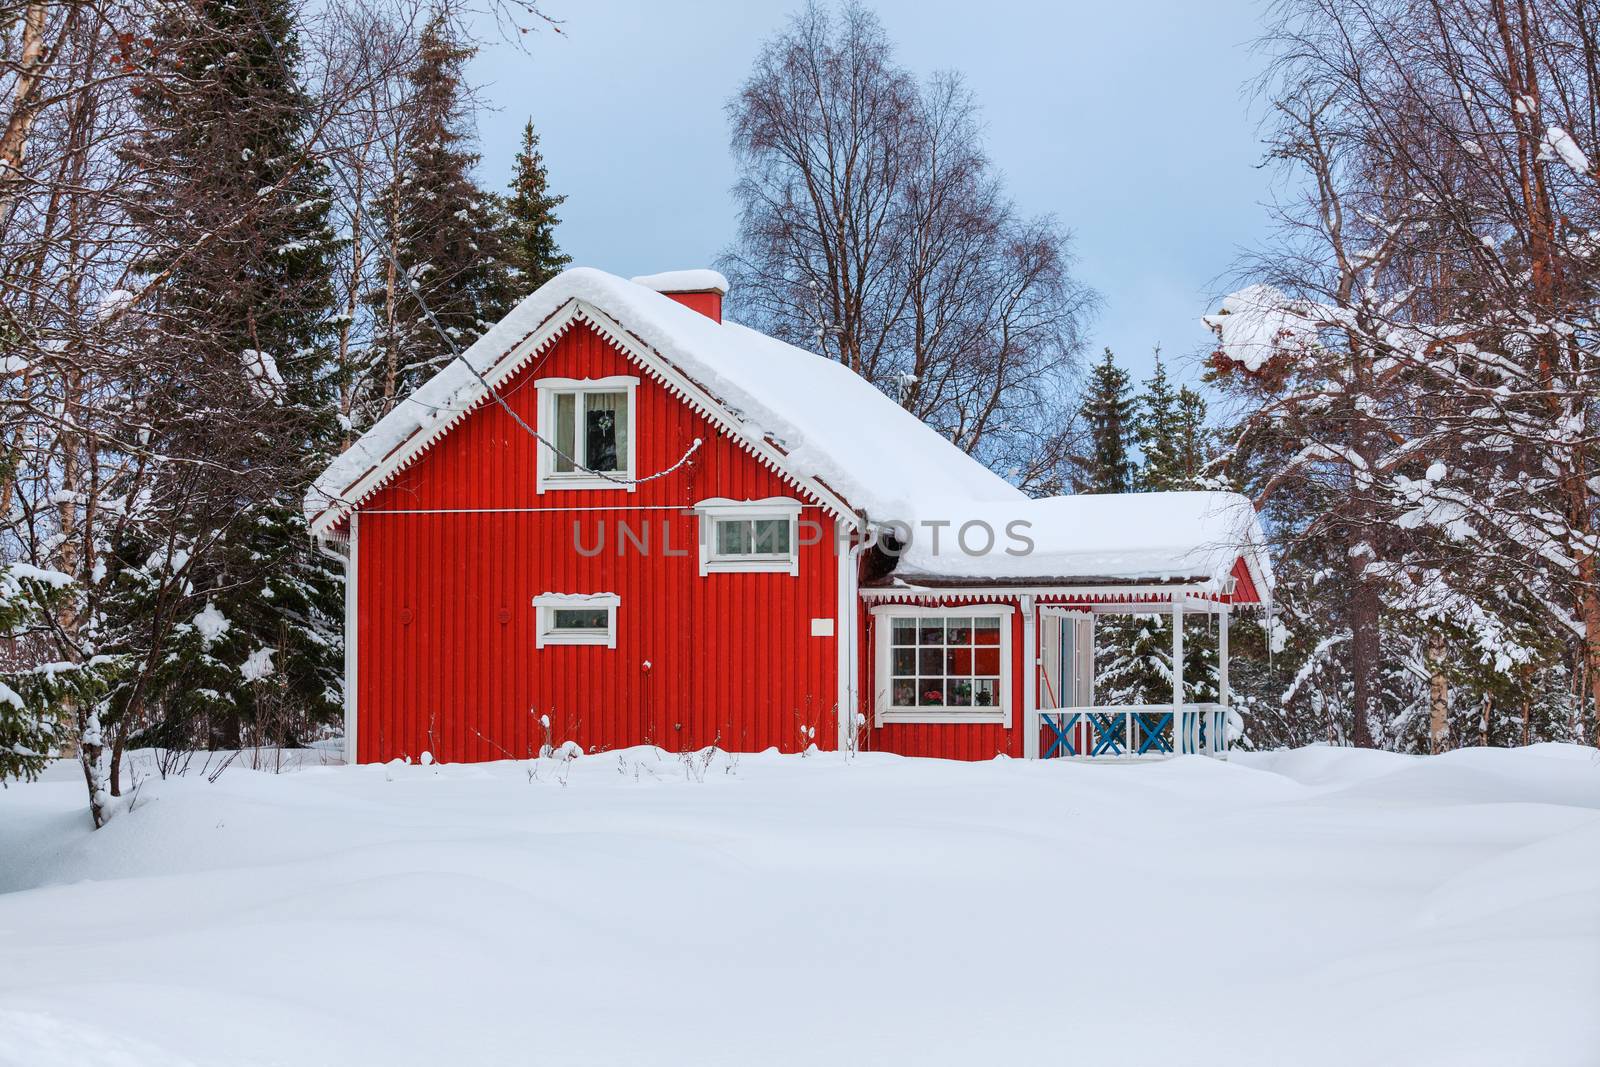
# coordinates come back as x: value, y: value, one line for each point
x: 1141, y: 593
x: 677, y: 383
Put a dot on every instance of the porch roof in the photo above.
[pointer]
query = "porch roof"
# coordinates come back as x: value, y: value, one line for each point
x: 1191, y: 539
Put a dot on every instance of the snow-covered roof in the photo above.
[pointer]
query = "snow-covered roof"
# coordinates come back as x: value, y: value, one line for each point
x: 683, y: 281
x: 833, y: 433
x: 1191, y: 537
x: 813, y: 417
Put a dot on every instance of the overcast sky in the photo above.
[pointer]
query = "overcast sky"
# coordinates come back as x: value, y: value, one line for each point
x: 1125, y: 119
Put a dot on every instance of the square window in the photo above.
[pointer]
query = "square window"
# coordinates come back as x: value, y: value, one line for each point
x: 590, y: 428
x: 943, y: 668
x: 733, y: 538
x: 771, y: 536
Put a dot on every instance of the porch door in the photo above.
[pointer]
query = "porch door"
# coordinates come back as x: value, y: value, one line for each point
x: 1066, y: 658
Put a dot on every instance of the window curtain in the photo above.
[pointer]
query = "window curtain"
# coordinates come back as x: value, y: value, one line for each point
x: 605, y: 425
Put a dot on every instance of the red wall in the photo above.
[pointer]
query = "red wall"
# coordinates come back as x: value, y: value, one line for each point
x: 963, y: 741
x: 447, y: 662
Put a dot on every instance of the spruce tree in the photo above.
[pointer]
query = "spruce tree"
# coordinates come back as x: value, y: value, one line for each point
x: 1136, y: 651
x: 1156, y: 428
x: 1108, y: 410
x: 1191, y: 446
x: 441, y: 232
x: 217, y: 588
x: 531, y: 252
x: 35, y: 704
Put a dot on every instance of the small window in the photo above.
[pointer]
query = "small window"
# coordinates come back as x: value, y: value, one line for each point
x: 753, y: 538
x: 749, y: 535
x: 576, y: 619
x: 590, y: 423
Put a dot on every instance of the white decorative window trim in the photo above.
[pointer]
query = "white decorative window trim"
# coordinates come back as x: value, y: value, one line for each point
x: 883, y: 675
x: 545, y: 606
x: 721, y: 509
x: 546, y: 476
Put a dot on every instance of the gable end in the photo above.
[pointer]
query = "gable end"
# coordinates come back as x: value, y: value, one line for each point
x: 766, y: 451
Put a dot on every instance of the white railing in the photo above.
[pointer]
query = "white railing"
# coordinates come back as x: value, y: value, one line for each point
x: 1133, y: 731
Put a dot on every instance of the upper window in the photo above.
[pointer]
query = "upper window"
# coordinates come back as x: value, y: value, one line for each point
x: 749, y: 535
x: 576, y: 619
x: 591, y: 424
x: 943, y: 665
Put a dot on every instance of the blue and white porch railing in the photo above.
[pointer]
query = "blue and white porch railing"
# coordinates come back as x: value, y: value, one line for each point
x: 1133, y: 731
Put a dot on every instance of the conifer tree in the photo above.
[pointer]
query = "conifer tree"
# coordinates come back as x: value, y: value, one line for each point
x: 1108, y: 410
x: 1156, y: 429
x: 442, y: 233
x: 531, y: 252
x: 1191, y: 452
x: 1136, y: 651
x: 217, y: 589
x: 35, y: 703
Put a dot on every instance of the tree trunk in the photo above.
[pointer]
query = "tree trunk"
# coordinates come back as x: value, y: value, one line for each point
x: 1365, y: 651
x: 24, y: 107
x: 90, y: 747
x: 1438, y: 696
x: 118, y: 746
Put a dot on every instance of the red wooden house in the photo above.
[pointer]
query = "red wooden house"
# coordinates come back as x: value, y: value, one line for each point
x: 619, y: 520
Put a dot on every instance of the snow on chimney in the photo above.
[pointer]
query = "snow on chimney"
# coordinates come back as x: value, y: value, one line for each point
x: 700, y: 290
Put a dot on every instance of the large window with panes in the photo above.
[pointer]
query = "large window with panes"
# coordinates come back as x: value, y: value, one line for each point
x: 943, y: 664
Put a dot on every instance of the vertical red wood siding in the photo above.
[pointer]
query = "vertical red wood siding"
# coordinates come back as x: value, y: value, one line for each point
x: 1245, y: 591
x: 963, y: 741
x: 452, y: 555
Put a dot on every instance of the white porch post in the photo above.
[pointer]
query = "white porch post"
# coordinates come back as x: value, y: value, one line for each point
x: 1030, y: 679
x: 352, y: 643
x: 1178, y: 732
x: 1222, y: 673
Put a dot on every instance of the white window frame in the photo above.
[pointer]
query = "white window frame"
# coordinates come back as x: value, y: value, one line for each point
x: 722, y: 509
x: 546, y: 476
x: 545, y: 632
x: 883, y: 617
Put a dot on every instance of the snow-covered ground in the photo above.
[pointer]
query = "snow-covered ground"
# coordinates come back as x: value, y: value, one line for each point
x: 1312, y: 907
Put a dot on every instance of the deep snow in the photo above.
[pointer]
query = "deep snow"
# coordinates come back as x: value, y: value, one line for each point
x: 1312, y: 907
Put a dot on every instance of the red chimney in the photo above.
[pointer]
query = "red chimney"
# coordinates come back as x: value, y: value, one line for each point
x: 699, y: 290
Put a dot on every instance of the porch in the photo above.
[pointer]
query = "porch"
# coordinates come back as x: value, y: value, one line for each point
x: 1063, y: 722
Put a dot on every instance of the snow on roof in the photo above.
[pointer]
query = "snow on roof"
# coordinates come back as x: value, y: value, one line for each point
x: 833, y: 425
x: 1154, y: 537
x: 683, y: 281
